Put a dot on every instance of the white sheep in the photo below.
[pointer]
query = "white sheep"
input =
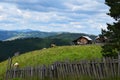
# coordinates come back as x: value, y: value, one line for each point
x: 16, y: 65
x: 53, y: 45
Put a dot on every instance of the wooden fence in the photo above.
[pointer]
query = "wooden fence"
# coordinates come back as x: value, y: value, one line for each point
x: 106, y: 68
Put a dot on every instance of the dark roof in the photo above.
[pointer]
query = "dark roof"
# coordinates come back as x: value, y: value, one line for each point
x: 99, y: 37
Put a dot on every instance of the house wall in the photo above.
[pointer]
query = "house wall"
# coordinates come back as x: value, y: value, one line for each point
x: 100, y: 40
x: 82, y: 41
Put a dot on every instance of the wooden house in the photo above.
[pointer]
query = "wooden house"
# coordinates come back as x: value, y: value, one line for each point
x: 83, y: 40
x: 102, y: 39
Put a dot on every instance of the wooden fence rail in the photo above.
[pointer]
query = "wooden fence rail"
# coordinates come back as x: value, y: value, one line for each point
x: 93, y: 69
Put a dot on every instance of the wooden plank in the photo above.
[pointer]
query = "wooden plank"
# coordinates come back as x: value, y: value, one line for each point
x: 82, y: 68
x: 111, y: 70
x: 40, y: 73
x: 74, y: 71
x: 114, y: 68
x: 100, y: 70
x: 118, y: 64
x: 77, y: 71
x: 58, y: 70
x: 85, y: 67
x: 88, y: 68
x: 94, y: 69
x: 97, y: 69
x: 50, y: 69
x: 105, y: 61
x: 43, y: 71
x: 63, y: 71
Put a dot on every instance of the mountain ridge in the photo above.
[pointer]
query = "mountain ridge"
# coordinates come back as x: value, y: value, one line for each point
x: 10, y: 34
x: 28, y: 33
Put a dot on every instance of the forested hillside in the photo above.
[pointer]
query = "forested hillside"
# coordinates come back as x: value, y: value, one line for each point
x: 9, y: 48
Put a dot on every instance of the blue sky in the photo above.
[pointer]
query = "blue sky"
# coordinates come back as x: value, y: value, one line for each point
x: 79, y: 16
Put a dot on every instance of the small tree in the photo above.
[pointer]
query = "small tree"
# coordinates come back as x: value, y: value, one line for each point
x: 112, y: 47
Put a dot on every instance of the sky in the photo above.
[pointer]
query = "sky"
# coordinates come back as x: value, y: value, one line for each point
x: 76, y: 16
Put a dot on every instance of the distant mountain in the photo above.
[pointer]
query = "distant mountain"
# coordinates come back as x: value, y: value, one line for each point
x: 27, y: 33
x: 18, y: 34
x: 71, y: 36
x: 24, y: 30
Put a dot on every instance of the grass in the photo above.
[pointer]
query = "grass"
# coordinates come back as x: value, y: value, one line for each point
x: 60, y: 78
x: 70, y: 78
x: 50, y: 55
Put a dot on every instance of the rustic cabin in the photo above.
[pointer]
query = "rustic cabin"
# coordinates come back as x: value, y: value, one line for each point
x: 99, y: 39
x: 83, y: 40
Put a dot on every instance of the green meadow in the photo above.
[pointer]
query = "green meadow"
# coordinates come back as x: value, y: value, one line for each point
x: 51, y: 55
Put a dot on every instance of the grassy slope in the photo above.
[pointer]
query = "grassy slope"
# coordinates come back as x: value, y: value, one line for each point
x: 50, y: 55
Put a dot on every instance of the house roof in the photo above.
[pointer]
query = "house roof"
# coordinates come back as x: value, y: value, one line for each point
x: 88, y: 38
x: 99, y: 37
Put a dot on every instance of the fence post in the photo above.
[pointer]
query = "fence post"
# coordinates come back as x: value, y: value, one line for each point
x: 118, y: 63
x: 8, y: 67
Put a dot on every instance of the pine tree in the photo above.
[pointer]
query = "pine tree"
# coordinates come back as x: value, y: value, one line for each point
x: 112, y: 47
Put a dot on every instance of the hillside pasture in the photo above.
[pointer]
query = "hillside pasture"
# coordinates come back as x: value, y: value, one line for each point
x: 51, y: 55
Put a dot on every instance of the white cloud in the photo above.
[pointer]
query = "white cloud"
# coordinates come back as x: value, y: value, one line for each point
x: 68, y: 15
x: 2, y: 17
x: 1, y: 8
x: 85, y: 5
